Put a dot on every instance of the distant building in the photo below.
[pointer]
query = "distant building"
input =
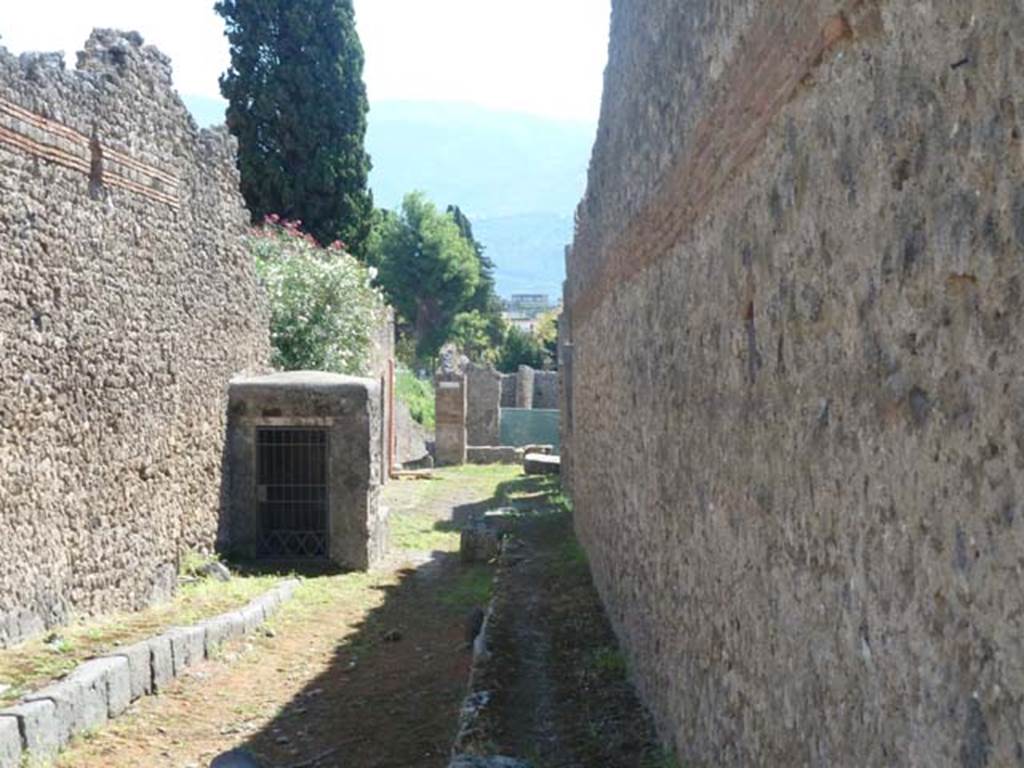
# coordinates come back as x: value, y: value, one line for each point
x: 527, y: 305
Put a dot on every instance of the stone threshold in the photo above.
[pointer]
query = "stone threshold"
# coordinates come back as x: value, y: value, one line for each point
x: 102, y: 689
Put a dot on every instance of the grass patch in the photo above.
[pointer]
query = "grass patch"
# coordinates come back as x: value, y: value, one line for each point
x: 608, y: 662
x: 418, y: 395
x: 419, y: 531
x: 32, y: 664
x: 473, y: 588
x: 420, y: 510
x: 192, y: 563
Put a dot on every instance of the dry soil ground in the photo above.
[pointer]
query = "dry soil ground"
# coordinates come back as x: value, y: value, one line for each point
x: 360, y: 670
x: 369, y: 670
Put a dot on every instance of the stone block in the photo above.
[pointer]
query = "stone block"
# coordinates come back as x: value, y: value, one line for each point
x: 219, y: 630
x: 267, y: 603
x: 541, y: 464
x: 10, y: 742
x: 113, y: 676
x: 502, y: 520
x: 140, y: 668
x: 287, y: 588
x: 188, y: 647
x: 494, y: 454
x: 38, y: 727
x: 252, y: 616
x: 78, y: 705
x: 479, y: 544
x: 161, y: 661
x: 547, y: 449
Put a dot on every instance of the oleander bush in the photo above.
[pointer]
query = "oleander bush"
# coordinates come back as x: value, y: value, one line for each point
x: 324, y: 306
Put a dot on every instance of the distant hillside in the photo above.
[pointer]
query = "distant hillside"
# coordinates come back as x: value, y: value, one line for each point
x: 518, y: 177
x: 529, y: 250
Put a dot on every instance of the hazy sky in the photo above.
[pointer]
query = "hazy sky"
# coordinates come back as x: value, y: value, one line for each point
x: 540, y: 56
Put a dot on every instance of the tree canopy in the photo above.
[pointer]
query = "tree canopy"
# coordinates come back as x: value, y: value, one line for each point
x: 297, y: 104
x: 428, y: 269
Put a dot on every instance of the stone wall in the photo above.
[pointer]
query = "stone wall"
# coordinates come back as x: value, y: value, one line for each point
x: 381, y: 365
x: 126, y: 304
x: 545, y: 389
x: 509, y: 383
x: 450, y: 441
x: 796, y: 290
x: 483, y: 404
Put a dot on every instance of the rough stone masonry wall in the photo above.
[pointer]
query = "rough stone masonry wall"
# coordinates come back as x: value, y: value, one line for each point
x: 126, y: 304
x: 545, y: 389
x: 797, y: 292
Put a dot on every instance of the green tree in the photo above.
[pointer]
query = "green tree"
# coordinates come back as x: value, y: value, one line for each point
x: 521, y: 348
x: 428, y: 270
x: 472, y: 334
x: 480, y: 332
x: 297, y: 104
x: 546, y: 332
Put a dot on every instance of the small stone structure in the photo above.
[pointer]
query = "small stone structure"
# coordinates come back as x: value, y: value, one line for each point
x: 127, y: 302
x: 305, y: 463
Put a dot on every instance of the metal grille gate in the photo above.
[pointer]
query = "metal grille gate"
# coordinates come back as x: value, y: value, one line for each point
x: 292, y: 478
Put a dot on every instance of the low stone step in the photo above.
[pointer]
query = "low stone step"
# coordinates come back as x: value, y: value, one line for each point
x: 542, y: 464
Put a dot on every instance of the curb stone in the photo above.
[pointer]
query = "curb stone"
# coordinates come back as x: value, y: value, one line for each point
x: 38, y: 727
x: 477, y: 700
x: 10, y: 742
x: 101, y: 689
x: 188, y: 647
x: 161, y: 661
x: 140, y: 669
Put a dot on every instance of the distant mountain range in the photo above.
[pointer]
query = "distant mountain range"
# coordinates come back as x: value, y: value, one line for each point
x: 518, y: 177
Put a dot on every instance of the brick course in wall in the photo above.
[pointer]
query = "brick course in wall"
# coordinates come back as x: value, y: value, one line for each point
x: 795, y: 294
x: 126, y: 304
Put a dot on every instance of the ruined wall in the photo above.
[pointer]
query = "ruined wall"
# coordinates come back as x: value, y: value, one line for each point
x: 796, y: 295
x: 545, y: 389
x: 483, y: 404
x: 381, y: 366
x: 126, y: 304
x: 509, y: 385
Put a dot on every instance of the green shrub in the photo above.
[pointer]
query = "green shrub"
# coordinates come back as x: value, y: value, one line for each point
x: 323, y: 306
x: 417, y: 394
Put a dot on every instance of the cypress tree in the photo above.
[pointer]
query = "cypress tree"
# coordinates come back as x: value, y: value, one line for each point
x: 297, y: 104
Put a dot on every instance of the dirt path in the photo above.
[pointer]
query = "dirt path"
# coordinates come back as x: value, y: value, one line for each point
x: 561, y: 696
x: 359, y: 671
